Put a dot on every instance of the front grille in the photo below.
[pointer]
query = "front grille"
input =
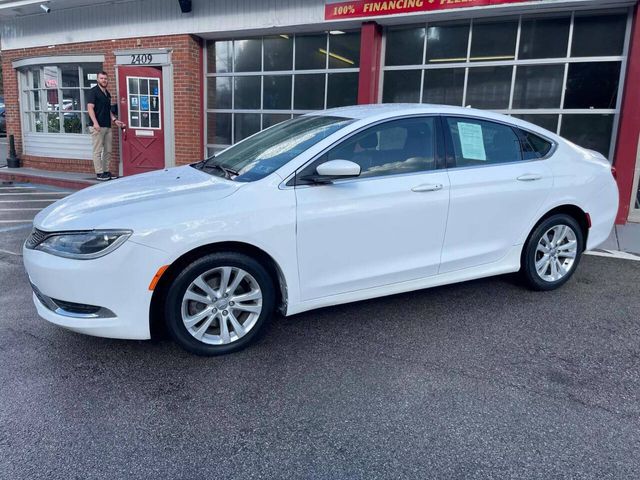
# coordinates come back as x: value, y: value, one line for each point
x: 36, y: 238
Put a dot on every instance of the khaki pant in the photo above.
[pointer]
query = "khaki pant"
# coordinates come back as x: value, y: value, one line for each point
x: 101, y: 141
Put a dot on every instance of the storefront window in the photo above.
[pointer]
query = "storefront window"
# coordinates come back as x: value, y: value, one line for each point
x: 309, y: 92
x: 588, y: 131
x: 538, y: 86
x: 404, y: 46
x: 246, y: 91
x: 544, y: 37
x: 548, y: 121
x: 402, y: 86
x: 278, y: 53
x: 342, y: 89
x: 489, y: 87
x: 344, y: 50
x: 54, y: 97
x: 540, y: 68
x: 592, y: 85
x: 447, y: 42
x: 444, y: 85
x: 255, y: 83
x: 277, y: 92
x: 598, y: 35
x: 494, y: 40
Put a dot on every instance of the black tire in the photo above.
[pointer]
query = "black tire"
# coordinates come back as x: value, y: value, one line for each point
x: 529, y: 256
x: 177, y: 289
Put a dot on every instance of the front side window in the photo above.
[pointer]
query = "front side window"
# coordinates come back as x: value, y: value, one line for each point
x: 399, y: 146
x: 268, y: 150
x: 55, y: 97
x: 478, y: 142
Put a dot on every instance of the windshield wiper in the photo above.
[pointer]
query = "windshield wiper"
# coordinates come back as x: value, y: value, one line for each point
x: 209, y: 165
x: 216, y: 166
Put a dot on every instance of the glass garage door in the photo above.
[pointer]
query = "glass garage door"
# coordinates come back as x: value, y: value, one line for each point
x: 258, y: 82
x: 562, y: 72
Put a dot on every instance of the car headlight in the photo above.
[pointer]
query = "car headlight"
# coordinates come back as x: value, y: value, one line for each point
x: 80, y: 245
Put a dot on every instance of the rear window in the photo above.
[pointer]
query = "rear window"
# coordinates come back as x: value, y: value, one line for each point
x: 534, y: 146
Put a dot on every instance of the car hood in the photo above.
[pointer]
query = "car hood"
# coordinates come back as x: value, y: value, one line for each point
x: 109, y: 202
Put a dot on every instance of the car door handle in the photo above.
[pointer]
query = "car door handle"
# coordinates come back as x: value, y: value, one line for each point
x: 529, y: 177
x: 427, y: 187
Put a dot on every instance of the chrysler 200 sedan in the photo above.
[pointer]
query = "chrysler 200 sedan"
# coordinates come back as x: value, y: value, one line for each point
x: 330, y: 207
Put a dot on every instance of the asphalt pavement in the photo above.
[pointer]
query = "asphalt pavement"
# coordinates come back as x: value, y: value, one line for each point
x: 480, y: 380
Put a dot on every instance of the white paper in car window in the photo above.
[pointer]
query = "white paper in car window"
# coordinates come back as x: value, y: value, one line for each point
x: 471, y: 141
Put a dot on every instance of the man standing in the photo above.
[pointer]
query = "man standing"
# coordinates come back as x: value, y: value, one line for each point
x: 99, y: 108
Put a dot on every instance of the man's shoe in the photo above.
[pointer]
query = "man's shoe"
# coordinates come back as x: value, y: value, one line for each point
x: 111, y: 177
x: 101, y: 177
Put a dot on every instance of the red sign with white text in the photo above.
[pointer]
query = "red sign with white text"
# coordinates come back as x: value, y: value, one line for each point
x: 372, y: 8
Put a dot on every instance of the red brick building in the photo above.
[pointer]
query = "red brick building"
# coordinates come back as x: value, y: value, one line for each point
x: 188, y: 83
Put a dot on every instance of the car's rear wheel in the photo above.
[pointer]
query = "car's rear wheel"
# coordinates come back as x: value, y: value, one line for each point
x: 219, y: 304
x: 552, y: 252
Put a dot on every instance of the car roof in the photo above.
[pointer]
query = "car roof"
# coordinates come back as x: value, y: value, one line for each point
x: 390, y: 110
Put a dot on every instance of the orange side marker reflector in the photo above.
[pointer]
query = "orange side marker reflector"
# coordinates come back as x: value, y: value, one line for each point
x: 156, y: 277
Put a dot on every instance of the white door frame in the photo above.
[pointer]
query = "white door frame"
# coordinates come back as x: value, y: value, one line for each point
x: 160, y: 57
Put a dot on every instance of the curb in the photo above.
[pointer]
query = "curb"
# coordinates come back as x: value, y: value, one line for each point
x: 42, y: 180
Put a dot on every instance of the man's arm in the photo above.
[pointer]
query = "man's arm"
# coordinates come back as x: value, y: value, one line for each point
x: 91, y: 102
x: 92, y: 116
x: 115, y: 119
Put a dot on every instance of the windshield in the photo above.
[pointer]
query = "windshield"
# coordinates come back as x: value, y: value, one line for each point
x: 265, y: 152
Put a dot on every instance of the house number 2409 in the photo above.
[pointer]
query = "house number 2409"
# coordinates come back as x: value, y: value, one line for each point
x: 141, y: 59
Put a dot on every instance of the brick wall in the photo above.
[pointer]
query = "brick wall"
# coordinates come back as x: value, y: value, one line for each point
x: 187, y: 79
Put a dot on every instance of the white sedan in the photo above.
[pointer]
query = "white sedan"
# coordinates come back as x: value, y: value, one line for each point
x: 330, y: 207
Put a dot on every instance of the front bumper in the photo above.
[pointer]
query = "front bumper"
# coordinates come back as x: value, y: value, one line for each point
x: 117, y: 284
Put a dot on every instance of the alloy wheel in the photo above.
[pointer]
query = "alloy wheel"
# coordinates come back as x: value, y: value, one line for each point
x: 556, y: 253
x: 221, y: 305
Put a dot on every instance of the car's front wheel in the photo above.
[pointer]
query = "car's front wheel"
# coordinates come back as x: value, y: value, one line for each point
x: 219, y: 303
x: 552, y: 252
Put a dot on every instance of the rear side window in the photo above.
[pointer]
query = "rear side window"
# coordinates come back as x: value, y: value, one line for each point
x: 477, y: 142
x: 534, y: 146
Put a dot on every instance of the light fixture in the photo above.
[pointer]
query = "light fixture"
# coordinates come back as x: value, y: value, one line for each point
x: 44, y: 7
x: 337, y: 57
x: 496, y: 57
x: 336, y: 32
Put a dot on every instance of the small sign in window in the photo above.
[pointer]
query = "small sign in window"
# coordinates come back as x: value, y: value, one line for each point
x: 471, y: 141
x: 144, y: 102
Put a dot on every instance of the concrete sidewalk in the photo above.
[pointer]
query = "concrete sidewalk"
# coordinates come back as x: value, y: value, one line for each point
x: 4, y: 150
x: 625, y: 238
x: 67, y: 180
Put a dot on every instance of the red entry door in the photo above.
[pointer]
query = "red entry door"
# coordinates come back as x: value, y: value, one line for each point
x: 141, y: 94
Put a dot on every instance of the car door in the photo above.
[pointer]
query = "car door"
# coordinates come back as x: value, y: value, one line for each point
x: 384, y: 227
x: 495, y: 192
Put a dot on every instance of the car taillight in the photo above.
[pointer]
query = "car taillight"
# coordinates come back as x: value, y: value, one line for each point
x: 614, y: 172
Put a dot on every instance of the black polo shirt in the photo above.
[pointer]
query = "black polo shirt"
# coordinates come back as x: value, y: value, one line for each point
x: 101, y: 106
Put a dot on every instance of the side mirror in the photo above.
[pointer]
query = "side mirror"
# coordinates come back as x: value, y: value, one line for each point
x: 338, y: 169
x: 333, y: 170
